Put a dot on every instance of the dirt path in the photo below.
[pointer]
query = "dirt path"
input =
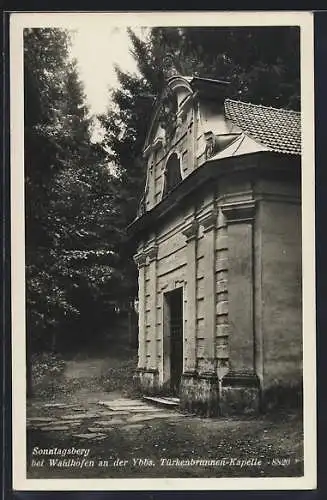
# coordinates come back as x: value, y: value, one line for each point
x: 113, y: 426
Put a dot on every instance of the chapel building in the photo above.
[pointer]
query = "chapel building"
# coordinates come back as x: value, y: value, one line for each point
x: 219, y: 250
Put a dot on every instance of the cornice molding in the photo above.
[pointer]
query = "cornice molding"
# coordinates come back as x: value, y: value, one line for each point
x: 241, y: 211
x: 140, y: 259
x: 191, y: 230
x: 152, y: 252
x: 209, y: 220
x: 209, y: 172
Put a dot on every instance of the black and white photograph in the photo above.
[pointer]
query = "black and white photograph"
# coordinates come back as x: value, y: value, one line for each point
x: 163, y: 327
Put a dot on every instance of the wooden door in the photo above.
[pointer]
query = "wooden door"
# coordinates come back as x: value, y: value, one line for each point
x: 176, y: 339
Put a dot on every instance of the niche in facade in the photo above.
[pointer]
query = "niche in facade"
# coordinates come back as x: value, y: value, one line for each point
x: 172, y: 173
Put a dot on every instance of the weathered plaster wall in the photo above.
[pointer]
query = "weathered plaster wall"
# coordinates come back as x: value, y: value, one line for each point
x: 281, y: 292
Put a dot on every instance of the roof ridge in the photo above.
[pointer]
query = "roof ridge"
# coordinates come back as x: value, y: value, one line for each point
x: 263, y: 106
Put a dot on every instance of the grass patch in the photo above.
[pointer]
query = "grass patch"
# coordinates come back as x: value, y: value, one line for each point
x: 56, y: 378
x: 120, y: 378
x: 47, y: 374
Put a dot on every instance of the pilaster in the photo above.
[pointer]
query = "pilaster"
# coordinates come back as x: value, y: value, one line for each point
x: 190, y: 232
x: 140, y: 261
x: 151, y: 254
x: 209, y: 222
x: 240, y: 386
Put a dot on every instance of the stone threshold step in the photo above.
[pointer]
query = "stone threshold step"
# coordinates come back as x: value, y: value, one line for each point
x: 165, y: 401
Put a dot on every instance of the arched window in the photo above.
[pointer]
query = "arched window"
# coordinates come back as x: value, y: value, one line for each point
x: 172, y: 173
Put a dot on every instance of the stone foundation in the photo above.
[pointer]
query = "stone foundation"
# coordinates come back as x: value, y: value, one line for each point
x: 236, y: 394
x: 199, y: 393
x: 146, y: 380
x: 240, y: 394
x: 283, y: 395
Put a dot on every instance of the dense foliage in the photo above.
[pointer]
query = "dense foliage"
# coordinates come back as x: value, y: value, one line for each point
x: 72, y: 226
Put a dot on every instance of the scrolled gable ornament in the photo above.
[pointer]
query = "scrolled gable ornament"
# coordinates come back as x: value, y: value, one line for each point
x: 168, y: 114
x: 212, y: 145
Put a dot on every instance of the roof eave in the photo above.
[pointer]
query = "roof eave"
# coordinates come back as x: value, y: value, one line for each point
x: 209, y: 170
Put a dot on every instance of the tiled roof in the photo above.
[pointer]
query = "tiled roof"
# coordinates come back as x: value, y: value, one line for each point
x: 279, y: 129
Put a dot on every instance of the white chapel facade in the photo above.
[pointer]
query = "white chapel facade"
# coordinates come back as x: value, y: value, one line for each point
x: 219, y: 250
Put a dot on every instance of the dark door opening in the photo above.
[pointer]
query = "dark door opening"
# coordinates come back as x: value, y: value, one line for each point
x: 175, y: 301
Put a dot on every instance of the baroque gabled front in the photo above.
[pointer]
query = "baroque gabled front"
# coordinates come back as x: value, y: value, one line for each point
x: 188, y: 127
x: 219, y: 250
